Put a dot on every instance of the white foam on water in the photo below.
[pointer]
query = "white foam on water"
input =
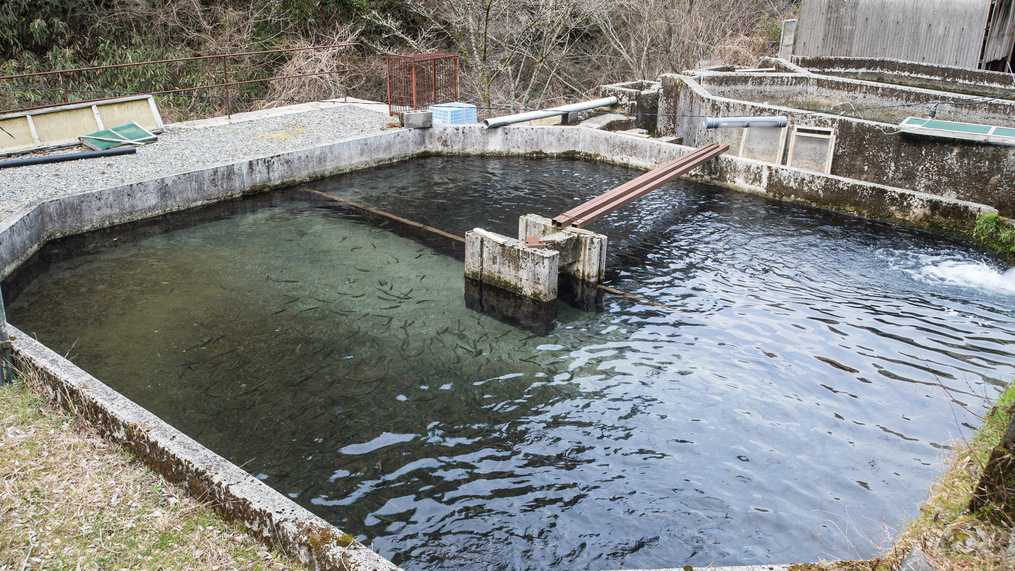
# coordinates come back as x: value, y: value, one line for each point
x: 978, y: 275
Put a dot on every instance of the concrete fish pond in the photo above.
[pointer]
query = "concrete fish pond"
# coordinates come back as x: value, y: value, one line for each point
x: 786, y: 396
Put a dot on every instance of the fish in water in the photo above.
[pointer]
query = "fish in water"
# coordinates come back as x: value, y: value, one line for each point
x: 836, y: 364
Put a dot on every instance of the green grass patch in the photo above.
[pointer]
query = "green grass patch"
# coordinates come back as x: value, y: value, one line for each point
x: 997, y: 234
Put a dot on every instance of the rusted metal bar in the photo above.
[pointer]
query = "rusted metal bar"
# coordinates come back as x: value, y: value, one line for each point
x: 649, y: 182
x: 651, y: 176
x: 387, y: 215
x: 656, y: 178
x: 588, y: 212
x: 174, y: 60
x: 225, y: 77
x: 184, y: 89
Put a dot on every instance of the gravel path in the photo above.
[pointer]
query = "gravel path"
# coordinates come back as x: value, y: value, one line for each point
x: 186, y: 147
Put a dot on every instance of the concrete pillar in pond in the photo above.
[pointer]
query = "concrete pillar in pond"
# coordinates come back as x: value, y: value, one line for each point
x: 582, y: 252
x: 507, y: 263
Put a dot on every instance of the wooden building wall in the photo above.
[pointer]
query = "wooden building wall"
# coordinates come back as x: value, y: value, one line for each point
x: 944, y: 32
x: 1001, y: 38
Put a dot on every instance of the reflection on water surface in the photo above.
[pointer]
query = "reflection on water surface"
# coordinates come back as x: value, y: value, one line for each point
x: 790, y: 402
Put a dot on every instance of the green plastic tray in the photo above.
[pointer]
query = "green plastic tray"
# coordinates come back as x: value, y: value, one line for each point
x: 129, y: 134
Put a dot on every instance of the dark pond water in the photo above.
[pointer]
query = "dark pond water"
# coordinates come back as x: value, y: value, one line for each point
x: 791, y: 401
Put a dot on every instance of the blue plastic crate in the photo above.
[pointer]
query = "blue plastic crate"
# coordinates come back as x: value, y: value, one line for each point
x: 453, y: 113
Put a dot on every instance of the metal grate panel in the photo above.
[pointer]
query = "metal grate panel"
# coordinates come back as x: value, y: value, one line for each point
x: 421, y: 80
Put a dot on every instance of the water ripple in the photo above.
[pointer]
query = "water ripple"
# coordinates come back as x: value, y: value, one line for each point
x: 789, y: 401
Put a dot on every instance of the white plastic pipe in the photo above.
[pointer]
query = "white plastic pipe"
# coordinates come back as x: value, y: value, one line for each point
x: 533, y: 115
x: 769, y: 121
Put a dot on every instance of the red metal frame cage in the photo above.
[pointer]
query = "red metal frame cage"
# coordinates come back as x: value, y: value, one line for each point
x: 420, y: 80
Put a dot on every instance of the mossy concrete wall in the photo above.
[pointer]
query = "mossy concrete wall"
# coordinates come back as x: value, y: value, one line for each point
x: 865, y: 150
x: 852, y: 197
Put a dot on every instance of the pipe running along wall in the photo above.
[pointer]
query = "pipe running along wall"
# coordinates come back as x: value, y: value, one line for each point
x: 762, y: 121
x: 544, y: 113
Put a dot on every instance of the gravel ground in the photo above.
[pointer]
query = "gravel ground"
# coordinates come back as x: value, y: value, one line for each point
x: 186, y: 147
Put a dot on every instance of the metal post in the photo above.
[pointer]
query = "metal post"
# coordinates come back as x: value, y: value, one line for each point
x: 436, y: 98
x: 225, y: 75
x: 389, y: 84
x: 414, y: 66
x: 6, y: 347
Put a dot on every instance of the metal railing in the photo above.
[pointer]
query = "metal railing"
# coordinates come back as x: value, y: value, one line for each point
x: 69, y: 84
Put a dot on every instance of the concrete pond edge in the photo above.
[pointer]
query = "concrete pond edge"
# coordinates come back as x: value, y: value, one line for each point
x: 269, y: 515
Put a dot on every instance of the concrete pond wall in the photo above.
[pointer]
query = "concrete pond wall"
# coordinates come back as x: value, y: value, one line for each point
x: 868, y: 144
x: 911, y: 74
x: 267, y: 514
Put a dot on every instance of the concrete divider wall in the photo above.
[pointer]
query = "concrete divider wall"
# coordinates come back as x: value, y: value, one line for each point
x: 913, y: 74
x: 864, y: 150
x: 875, y: 101
x: 269, y: 515
x: 853, y: 197
x: 684, y: 102
x: 592, y: 144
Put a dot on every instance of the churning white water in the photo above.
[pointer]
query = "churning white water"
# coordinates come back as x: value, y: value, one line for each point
x: 965, y: 273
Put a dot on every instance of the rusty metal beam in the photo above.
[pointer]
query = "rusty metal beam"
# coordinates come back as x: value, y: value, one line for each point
x: 588, y: 212
x: 173, y: 60
x: 224, y: 57
x: 655, y: 175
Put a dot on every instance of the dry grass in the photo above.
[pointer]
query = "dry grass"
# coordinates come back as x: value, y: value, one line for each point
x: 365, y: 72
x: 71, y: 500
